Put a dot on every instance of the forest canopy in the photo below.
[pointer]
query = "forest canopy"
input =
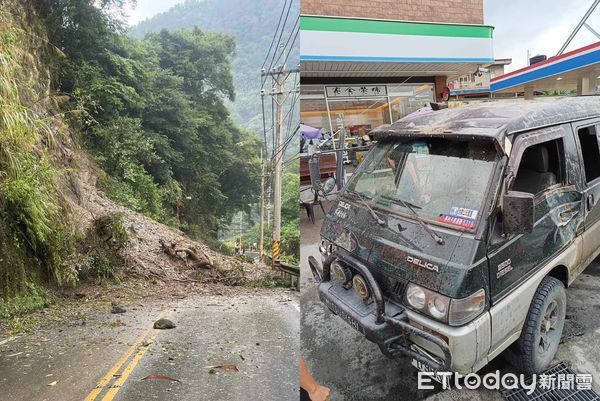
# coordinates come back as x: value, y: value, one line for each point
x: 154, y: 114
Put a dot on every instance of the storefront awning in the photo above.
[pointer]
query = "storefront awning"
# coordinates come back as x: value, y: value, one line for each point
x: 557, y: 73
x: 351, y: 47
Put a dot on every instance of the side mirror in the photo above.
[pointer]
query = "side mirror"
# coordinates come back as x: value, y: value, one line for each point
x: 517, y: 212
x: 329, y: 185
x: 314, y: 167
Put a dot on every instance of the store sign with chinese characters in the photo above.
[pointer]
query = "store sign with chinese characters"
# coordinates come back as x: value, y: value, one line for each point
x: 356, y: 91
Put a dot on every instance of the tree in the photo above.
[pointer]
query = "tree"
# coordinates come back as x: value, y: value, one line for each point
x: 155, y: 117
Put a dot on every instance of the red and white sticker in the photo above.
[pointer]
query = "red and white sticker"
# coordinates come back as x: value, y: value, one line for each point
x: 457, y: 221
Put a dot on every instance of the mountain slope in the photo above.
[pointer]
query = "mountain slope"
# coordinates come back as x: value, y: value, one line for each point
x: 56, y: 225
x: 252, y: 24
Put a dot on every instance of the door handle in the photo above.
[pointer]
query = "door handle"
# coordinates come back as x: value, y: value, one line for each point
x: 590, y: 202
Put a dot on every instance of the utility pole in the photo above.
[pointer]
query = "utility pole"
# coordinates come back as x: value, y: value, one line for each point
x: 280, y: 75
x: 278, y: 165
x: 261, y: 244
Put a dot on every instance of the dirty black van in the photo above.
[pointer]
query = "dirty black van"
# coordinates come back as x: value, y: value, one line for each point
x: 456, y: 238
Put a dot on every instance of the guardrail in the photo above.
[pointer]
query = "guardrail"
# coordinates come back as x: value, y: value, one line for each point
x: 286, y: 270
x: 289, y: 269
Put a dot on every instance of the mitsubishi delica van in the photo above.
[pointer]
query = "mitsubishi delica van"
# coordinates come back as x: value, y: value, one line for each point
x: 457, y: 236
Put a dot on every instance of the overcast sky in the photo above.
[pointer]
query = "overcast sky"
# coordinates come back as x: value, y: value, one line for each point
x: 541, y: 26
x: 148, y: 8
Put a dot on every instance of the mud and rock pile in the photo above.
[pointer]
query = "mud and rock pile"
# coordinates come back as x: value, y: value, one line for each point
x: 152, y: 250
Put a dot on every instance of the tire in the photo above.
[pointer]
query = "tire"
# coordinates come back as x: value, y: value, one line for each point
x: 536, y: 347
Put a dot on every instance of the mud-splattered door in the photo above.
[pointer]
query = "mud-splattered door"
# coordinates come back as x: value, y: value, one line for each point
x: 588, y: 137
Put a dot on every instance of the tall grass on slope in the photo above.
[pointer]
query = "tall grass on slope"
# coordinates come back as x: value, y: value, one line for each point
x: 33, y: 222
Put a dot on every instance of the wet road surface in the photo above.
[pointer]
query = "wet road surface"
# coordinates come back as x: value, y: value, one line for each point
x: 355, y: 369
x: 107, y: 357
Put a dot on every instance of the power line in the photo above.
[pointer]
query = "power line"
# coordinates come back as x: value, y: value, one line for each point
x: 287, y: 115
x: 291, y: 47
x: 288, y: 162
x: 281, y: 152
x: 271, y: 64
x: 294, y: 32
x: 274, y: 35
x: 294, y: 99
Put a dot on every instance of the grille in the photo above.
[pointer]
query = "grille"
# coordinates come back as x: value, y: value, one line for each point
x: 398, y: 289
x: 554, y: 393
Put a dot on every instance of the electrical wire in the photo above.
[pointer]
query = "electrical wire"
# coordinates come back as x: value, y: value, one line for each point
x: 291, y: 47
x: 274, y: 35
x: 285, y: 118
x: 294, y: 99
x: 294, y: 32
x: 271, y: 64
x: 281, y: 152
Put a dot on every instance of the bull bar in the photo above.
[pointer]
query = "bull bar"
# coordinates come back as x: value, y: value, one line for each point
x: 384, y: 324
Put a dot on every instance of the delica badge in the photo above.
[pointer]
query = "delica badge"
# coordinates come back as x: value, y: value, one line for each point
x: 460, y: 216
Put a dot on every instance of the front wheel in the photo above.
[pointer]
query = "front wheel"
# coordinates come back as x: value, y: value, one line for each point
x: 538, y: 343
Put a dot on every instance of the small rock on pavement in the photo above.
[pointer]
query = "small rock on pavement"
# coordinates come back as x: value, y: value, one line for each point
x: 118, y: 309
x: 163, y: 324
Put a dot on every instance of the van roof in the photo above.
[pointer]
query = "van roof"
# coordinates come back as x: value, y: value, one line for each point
x: 494, y: 119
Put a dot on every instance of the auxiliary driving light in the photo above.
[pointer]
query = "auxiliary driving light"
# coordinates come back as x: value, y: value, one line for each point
x: 360, y: 286
x: 340, y: 273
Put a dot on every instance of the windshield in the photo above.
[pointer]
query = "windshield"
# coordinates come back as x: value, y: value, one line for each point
x: 441, y: 180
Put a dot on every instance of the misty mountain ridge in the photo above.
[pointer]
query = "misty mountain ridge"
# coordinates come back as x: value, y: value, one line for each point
x: 252, y: 24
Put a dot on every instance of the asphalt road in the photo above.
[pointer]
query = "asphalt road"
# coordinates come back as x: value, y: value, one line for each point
x: 355, y: 370
x: 106, y: 357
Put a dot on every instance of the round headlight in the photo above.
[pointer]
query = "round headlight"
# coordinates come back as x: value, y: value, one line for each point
x: 437, y: 307
x: 415, y: 296
x: 340, y: 273
x: 360, y: 286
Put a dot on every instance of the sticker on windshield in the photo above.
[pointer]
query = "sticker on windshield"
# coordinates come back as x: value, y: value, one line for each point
x: 463, y: 212
x: 457, y: 221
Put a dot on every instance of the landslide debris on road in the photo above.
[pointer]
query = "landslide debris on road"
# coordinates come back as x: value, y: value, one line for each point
x: 152, y: 250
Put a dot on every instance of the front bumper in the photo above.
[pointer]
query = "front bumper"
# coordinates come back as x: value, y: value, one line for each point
x: 384, y: 323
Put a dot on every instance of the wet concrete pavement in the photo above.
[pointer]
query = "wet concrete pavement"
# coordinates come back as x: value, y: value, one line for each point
x: 356, y: 370
x: 107, y: 357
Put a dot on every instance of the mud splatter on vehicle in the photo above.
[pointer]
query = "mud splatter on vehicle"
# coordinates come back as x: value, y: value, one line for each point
x: 457, y: 236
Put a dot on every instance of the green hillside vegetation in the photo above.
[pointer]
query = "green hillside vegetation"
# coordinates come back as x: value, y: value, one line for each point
x: 150, y: 112
x: 251, y: 24
x: 34, y: 236
x: 154, y: 115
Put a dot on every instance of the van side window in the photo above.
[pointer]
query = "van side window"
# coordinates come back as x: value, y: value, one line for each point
x: 588, y: 140
x: 541, y: 167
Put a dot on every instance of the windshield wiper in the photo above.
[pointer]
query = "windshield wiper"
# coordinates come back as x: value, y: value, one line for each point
x: 363, y: 199
x: 439, y: 240
x: 399, y: 201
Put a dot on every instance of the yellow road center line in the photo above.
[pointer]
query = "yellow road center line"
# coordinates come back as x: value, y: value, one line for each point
x: 115, y: 368
x: 113, y: 371
x: 114, y: 389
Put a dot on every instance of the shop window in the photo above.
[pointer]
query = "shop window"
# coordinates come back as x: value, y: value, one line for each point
x: 541, y: 167
x: 588, y: 139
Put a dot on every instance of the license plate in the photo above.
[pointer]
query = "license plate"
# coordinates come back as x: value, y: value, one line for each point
x: 347, y: 318
x: 444, y: 380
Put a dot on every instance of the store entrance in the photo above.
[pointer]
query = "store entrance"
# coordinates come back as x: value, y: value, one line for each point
x: 360, y: 115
